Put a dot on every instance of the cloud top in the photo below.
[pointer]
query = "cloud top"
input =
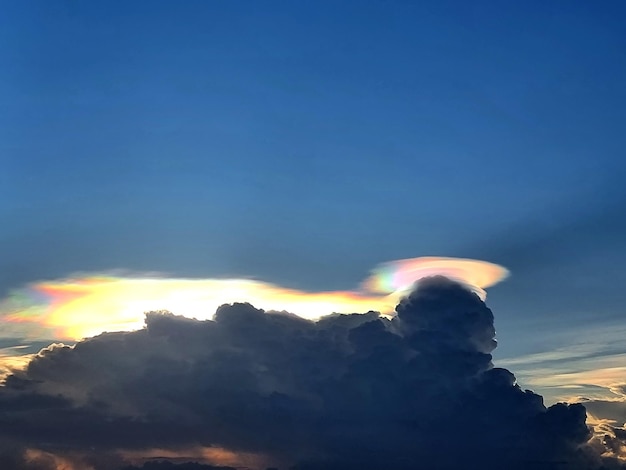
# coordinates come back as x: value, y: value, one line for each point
x: 401, y: 275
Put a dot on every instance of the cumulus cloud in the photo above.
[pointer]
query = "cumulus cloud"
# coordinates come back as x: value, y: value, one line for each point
x: 345, y: 392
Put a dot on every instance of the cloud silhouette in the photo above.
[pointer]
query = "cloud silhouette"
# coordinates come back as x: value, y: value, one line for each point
x: 345, y: 392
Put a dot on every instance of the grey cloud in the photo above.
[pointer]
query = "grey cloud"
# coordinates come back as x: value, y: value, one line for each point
x: 350, y: 391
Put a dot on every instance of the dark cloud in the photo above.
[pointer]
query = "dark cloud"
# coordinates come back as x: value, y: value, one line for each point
x: 347, y: 392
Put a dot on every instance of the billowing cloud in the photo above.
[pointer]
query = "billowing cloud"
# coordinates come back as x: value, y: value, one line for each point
x: 344, y: 392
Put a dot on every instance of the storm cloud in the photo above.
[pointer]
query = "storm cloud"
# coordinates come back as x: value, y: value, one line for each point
x: 345, y: 392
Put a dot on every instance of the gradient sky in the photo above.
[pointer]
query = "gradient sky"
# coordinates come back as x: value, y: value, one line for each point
x: 302, y: 143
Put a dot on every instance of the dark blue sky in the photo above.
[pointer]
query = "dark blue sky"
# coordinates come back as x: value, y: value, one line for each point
x: 304, y: 142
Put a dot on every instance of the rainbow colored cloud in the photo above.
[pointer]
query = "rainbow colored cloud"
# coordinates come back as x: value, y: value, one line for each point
x: 71, y: 309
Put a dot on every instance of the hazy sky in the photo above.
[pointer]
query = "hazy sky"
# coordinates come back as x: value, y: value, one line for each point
x: 303, y: 143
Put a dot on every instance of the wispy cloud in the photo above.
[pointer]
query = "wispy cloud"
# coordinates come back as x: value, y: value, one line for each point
x: 592, y: 364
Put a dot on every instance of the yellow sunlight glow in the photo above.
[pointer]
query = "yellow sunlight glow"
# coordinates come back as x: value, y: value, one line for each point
x: 73, y: 309
x: 86, y: 307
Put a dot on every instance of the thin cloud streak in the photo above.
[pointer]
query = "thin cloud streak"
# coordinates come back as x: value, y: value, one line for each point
x: 589, y: 365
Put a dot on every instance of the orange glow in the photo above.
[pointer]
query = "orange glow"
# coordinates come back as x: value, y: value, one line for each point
x: 218, y: 456
x: 46, y: 460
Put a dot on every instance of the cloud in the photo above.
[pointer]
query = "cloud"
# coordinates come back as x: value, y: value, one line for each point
x: 577, y: 362
x: 72, y: 309
x: 401, y: 275
x: 82, y: 306
x: 345, y: 392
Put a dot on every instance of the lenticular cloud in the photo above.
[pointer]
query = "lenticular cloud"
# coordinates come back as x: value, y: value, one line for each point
x: 401, y: 275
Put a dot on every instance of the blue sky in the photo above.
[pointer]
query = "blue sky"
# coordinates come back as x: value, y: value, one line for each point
x: 303, y: 143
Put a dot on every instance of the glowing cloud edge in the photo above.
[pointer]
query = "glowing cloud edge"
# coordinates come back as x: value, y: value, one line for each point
x: 85, y: 306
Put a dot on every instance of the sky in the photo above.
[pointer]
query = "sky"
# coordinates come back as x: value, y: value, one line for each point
x: 278, y: 152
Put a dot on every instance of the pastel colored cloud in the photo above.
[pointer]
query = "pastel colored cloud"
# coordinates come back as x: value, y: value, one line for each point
x: 80, y: 307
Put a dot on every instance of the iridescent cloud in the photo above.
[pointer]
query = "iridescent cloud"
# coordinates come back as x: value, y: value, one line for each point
x: 400, y: 275
x: 72, y: 309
